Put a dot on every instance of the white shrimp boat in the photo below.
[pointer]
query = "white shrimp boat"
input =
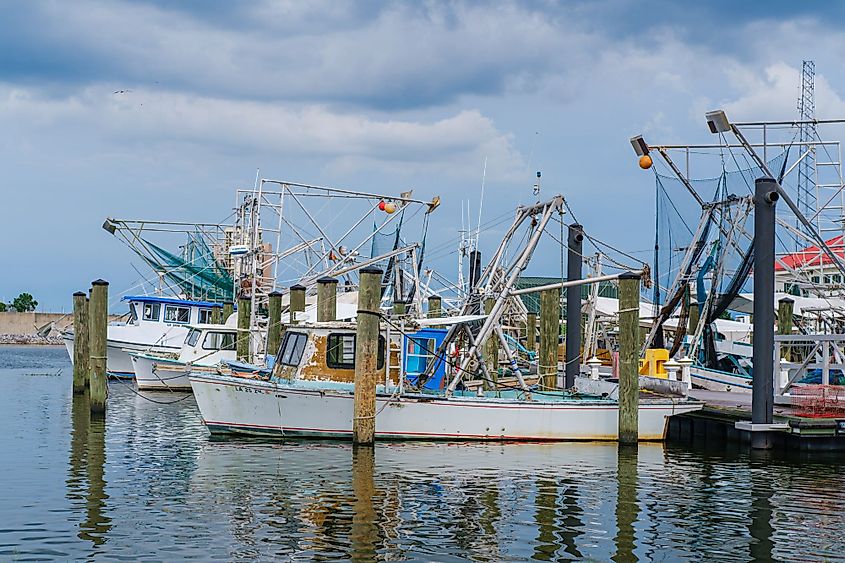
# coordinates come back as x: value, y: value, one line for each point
x: 310, y: 394
x: 205, y: 347
x: 156, y: 324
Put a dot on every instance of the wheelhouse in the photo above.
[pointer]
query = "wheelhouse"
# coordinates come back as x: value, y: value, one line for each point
x: 169, y: 311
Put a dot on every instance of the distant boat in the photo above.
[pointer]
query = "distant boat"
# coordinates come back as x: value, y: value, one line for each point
x: 205, y: 347
x: 156, y: 324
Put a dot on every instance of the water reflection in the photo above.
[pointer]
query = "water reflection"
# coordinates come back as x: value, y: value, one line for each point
x: 86, y: 483
x: 760, y: 518
x: 365, y: 530
x: 627, y: 508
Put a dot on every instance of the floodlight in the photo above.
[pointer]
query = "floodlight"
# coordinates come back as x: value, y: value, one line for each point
x: 109, y: 226
x: 717, y: 121
x: 640, y: 146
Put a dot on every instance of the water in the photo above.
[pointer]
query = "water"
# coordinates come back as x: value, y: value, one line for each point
x: 150, y: 485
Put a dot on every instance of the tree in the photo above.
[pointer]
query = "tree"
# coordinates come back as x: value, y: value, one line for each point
x: 2, y: 307
x: 24, y: 303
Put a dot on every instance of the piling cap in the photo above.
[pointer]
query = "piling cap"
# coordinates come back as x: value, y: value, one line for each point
x: 80, y: 294
x: 430, y: 297
x: 276, y: 294
x: 297, y: 287
x: 99, y: 282
x: 327, y: 280
x: 786, y: 300
x: 629, y: 276
x: 372, y: 270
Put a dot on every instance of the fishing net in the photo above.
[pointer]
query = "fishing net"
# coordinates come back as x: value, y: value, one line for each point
x: 197, y: 273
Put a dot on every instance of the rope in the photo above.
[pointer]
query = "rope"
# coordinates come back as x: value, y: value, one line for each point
x: 132, y: 388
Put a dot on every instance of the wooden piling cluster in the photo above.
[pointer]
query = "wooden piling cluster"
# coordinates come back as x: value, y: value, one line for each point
x: 786, y: 308
x: 326, y: 300
x: 80, y: 342
x: 274, y: 323
x: 549, y: 336
x: 98, y: 320
x: 491, y: 347
x: 244, y: 312
x: 629, y: 343
x: 531, y: 332
x: 297, y: 302
x: 435, y: 307
x: 366, y: 356
x: 228, y: 309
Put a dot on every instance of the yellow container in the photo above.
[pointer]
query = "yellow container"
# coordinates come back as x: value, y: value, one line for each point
x: 652, y: 364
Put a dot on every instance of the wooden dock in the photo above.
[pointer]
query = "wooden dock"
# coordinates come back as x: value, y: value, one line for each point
x: 726, y: 418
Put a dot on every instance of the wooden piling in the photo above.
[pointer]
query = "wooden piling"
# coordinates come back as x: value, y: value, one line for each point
x: 274, y: 323
x: 435, y: 307
x: 531, y: 332
x: 326, y: 300
x: 399, y: 308
x: 366, y: 355
x: 98, y: 320
x: 629, y: 383
x: 228, y: 309
x: 244, y: 336
x: 217, y: 316
x: 297, y: 301
x: 81, y: 352
x: 786, y: 308
x: 491, y: 347
x: 549, y: 336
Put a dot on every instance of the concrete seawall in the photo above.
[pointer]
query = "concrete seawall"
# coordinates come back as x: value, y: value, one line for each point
x: 22, y: 328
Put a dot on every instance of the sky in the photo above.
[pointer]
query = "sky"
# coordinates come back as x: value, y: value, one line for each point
x: 378, y: 96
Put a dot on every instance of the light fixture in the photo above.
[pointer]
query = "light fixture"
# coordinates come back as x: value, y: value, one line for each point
x: 640, y: 146
x: 717, y: 121
x: 109, y: 226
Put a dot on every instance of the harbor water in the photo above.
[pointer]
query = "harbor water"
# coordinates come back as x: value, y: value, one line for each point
x: 148, y: 483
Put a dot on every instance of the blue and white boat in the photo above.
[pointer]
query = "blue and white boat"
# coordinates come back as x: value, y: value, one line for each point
x: 156, y: 324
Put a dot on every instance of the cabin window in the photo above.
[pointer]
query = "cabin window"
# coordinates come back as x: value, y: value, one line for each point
x: 174, y: 314
x: 219, y: 341
x: 815, y: 279
x: 192, y: 338
x: 133, y: 314
x: 292, y: 349
x: 340, y: 351
x: 152, y: 311
x: 837, y: 278
x: 204, y: 316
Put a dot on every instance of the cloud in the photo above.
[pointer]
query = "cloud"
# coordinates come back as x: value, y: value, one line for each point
x: 146, y: 119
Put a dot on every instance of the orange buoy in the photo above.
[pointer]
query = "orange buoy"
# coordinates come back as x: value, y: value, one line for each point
x: 389, y: 207
x: 645, y: 162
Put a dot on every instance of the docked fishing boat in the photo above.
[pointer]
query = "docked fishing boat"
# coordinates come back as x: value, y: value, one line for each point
x: 311, y: 394
x: 156, y: 324
x: 206, y: 346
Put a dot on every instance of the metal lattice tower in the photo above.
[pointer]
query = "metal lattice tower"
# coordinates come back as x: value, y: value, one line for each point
x: 807, y: 196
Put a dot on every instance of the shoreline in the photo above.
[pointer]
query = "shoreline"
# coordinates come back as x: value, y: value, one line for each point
x: 29, y: 340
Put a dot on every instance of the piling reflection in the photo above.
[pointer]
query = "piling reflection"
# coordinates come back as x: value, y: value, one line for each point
x: 627, y: 508
x: 760, y: 518
x: 86, y: 483
x: 365, y: 533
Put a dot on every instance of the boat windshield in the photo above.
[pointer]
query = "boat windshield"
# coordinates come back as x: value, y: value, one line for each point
x: 292, y: 349
x: 219, y: 341
x: 192, y: 338
x: 133, y: 314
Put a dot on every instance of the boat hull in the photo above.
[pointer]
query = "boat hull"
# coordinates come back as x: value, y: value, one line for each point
x: 719, y: 380
x: 231, y: 405
x: 160, y: 374
x: 118, y: 361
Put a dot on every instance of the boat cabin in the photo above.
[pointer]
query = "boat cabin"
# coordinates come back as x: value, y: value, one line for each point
x: 208, y: 344
x: 421, y: 352
x: 148, y: 309
x: 326, y: 351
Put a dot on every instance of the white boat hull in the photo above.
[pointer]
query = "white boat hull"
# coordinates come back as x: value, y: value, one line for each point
x: 159, y: 374
x: 719, y: 380
x: 253, y: 407
x: 118, y: 361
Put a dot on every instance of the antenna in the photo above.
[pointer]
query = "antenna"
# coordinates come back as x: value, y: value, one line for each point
x: 481, y: 203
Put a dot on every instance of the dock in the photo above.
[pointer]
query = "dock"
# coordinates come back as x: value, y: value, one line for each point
x: 726, y: 418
